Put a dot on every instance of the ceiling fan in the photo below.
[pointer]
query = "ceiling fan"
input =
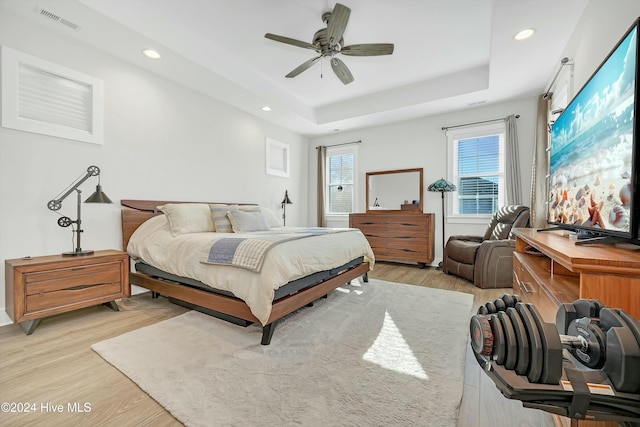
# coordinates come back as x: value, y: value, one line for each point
x: 328, y: 42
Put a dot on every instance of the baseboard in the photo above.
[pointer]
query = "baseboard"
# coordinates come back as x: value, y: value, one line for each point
x: 4, y: 317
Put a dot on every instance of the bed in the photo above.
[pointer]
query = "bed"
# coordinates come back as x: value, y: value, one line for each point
x: 298, y: 266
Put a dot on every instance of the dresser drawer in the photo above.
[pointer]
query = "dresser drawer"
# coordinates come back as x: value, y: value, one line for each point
x: 408, y: 254
x: 373, y: 230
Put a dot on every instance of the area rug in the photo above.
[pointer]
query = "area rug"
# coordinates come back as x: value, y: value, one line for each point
x: 374, y: 354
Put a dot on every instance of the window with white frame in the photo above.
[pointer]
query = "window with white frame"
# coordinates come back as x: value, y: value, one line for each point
x: 42, y: 97
x: 340, y: 179
x: 477, y: 168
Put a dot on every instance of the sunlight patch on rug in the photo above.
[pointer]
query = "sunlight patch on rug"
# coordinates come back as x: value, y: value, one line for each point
x: 391, y: 351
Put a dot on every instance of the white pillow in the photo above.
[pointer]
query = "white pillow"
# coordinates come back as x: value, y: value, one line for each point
x: 187, y: 218
x: 243, y: 221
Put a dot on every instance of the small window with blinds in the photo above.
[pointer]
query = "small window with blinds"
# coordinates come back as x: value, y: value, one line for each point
x: 340, y: 180
x: 41, y: 97
x: 477, y: 168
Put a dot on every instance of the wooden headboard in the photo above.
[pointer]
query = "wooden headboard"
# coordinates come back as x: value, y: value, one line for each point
x: 135, y: 212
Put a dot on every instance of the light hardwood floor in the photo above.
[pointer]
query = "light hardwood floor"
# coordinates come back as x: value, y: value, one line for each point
x: 55, y: 366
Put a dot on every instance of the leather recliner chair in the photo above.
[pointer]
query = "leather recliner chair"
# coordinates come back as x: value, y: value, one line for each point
x: 487, y: 260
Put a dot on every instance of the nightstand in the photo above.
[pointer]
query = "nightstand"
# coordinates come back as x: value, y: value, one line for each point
x: 42, y: 286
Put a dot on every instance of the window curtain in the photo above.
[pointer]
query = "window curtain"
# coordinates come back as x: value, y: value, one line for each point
x: 321, y: 190
x: 538, y: 214
x: 514, y: 195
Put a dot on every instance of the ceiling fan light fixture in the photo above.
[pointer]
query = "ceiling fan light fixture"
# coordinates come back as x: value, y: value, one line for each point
x: 524, y: 34
x: 329, y: 42
x: 151, y: 54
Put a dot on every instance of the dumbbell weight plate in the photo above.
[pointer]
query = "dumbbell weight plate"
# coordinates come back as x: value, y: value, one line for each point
x: 585, y: 308
x: 522, y: 365
x: 499, y: 346
x: 482, y: 310
x: 564, y: 316
x: 535, y: 344
x: 594, y: 355
x: 511, y: 349
x: 632, y: 322
x: 491, y: 307
x: 481, y: 335
x: 510, y: 300
x: 623, y: 352
x: 551, y: 349
x: 500, y: 304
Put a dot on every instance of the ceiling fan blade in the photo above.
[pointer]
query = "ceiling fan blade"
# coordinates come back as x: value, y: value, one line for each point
x: 371, y: 49
x: 290, y: 41
x: 337, y: 23
x: 302, y: 67
x: 341, y: 71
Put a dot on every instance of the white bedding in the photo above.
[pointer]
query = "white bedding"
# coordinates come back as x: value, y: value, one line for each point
x: 182, y: 255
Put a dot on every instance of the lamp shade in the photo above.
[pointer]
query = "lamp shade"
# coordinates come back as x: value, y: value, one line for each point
x: 442, y: 185
x: 286, y: 200
x: 98, y: 196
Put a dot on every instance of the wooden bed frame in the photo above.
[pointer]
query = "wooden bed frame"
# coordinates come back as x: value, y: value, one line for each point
x: 135, y: 212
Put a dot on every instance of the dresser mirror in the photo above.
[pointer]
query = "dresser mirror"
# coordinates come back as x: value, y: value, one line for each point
x: 395, y: 190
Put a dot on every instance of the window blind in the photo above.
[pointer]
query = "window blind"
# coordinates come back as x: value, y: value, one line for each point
x: 478, y: 171
x: 50, y: 98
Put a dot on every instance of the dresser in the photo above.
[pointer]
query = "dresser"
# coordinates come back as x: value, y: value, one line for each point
x: 407, y: 237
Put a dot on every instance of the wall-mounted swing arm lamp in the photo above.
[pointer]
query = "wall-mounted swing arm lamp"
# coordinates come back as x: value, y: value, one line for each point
x: 97, y: 197
x: 284, y: 204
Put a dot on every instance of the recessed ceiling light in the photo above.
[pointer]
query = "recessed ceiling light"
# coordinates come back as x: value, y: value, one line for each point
x: 524, y: 34
x: 150, y: 53
x: 266, y: 108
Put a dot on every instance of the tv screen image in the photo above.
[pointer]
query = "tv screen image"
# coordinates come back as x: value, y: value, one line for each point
x: 591, y: 167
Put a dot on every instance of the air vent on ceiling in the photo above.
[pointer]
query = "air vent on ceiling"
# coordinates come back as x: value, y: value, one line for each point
x: 56, y: 18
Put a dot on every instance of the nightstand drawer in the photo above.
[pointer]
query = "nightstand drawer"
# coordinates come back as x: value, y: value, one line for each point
x: 56, y: 279
x: 71, y: 295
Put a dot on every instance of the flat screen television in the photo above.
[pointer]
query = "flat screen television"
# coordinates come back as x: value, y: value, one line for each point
x: 594, y: 165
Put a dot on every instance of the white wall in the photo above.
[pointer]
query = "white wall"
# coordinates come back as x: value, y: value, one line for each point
x: 422, y: 143
x: 162, y: 141
x: 601, y: 26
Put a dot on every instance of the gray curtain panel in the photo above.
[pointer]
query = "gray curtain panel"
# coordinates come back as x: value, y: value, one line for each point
x: 514, y: 194
x: 322, y: 160
x: 538, y: 215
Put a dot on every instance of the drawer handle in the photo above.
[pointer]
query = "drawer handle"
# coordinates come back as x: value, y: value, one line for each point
x: 524, y: 286
x: 80, y: 287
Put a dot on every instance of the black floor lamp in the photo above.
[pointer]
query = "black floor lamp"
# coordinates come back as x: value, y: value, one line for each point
x: 284, y: 204
x: 442, y: 186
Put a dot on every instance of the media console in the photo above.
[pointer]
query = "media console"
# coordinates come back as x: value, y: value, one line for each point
x: 549, y: 269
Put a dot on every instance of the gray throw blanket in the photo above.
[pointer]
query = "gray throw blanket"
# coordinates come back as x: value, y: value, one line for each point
x: 249, y: 252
